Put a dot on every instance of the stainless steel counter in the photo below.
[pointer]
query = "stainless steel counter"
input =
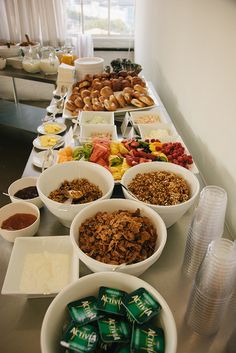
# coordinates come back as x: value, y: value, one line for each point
x: 21, y: 318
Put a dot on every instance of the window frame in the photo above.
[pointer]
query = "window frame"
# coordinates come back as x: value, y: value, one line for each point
x: 109, y: 41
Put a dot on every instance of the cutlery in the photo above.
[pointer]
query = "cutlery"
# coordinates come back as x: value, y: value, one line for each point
x: 130, y: 192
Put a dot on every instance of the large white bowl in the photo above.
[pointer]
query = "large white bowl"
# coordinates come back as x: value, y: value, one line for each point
x: 113, y: 205
x: 21, y: 184
x: 170, y: 214
x: 56, y: 314
x: 19, y: 207
x: 54, y: 176
x: 6, y: 52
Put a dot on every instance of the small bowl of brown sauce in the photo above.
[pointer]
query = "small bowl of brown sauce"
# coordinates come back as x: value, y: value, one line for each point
x: 25, y: 189
x: 19, y: 219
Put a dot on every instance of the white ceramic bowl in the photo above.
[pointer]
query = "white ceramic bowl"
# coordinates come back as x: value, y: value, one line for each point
x: 113, y: 205
x: 56, y: 314
x: 2, y: 63
x: 54, y: 176
x: 19, y: 207
x: 169, y: 214
x: 21, y: 184
x: 6, y: 52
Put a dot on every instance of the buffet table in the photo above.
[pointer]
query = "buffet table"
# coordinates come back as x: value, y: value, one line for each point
x: 21, y: 318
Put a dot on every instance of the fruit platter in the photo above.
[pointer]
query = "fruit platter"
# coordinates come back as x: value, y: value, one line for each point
x: 118, y: 156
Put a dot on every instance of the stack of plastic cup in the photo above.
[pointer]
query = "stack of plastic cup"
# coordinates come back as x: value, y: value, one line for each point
x: 213, y: 287
x: 207, y: 225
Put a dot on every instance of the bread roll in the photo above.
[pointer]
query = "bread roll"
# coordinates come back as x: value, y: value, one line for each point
x: 79, y: 102
x: 73, y: 97
x: 147, y: 100
x: 97, y: 106
x: 85, y: 93
x: 94, y: 94
x: 87, y: 100
x: 70, y: 105
x: 106, y: 91
x: 88, y: 107
x: 140, y: 89
x: 84, y: 84
x: 121, y: 100
x: 97, y: 85
x: 137, y: 103
x: 127, y: 97
x: 109, y: 105
x: 113, y: 99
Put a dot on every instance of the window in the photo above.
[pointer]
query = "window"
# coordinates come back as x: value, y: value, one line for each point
x: 111, y: 22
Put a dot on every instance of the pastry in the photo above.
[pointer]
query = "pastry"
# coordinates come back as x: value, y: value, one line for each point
x: 87, y: 100
x: 106, y: 91
x: 147, y: 100
x: 116, y: 84
x: 97, y: 85
x: 137, y: 103
x: 128, y: 90
x: 85, y: 93
x: 106, y: 83
x: 125, y: 83
x: 102, y: 99
x: 137, y: 80
x: 73, y: 97
x: 113, y: 99
x: 84, y: 84
x: 75, y: 90
x: 140, y: 89
x: 97, y: 106
x: 79, y: 102
x: 121, y: 100
x: 88, y: 107
x: 127, y: 97
x: 94, y: 94
x: 70, y: 105
x: 109, y: 105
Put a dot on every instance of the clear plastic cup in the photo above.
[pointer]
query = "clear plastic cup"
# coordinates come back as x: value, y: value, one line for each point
x: 207, y: 225
x: 213, y: 287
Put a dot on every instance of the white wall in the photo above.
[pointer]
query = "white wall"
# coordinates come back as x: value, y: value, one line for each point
x: 188, y: 50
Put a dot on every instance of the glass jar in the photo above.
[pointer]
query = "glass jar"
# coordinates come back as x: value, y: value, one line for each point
x: 68, y: 56
x: 31, y: 61
x: 49, y: 61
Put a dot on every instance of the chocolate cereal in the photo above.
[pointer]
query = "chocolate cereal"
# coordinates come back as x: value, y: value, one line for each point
x: 118, y: 237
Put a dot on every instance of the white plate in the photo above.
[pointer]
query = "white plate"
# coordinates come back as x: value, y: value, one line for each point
x: 41, y: 130
x: 24, y: 246
x: 129, y: 108
x: 39, y: 158
x: 37, y: 143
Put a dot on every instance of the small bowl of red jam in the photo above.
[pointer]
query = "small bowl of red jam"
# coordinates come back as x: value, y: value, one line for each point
x: 19, y: 219
x: 25, y: 189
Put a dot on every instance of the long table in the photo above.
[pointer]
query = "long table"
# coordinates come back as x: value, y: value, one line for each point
x: 21, y: 318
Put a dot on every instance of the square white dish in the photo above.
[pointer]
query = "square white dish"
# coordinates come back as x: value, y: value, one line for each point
x: 88, y: 132
x: 58, y: 248
x: 162, y: 132
x: 95, y: 118
x: 151, y: 116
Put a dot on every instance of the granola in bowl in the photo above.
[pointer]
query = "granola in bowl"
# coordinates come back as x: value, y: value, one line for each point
x: 160, y: 188
x: 118, y: 237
